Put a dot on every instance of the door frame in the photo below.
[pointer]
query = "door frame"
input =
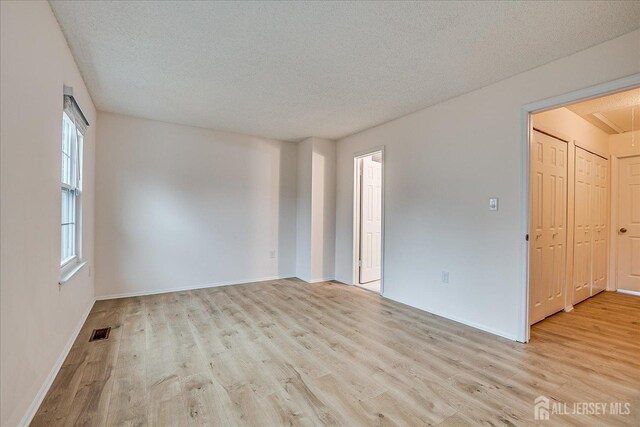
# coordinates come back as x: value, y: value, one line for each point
x: 613, y: 220
x: 356, y: 215
x: 619, y: 85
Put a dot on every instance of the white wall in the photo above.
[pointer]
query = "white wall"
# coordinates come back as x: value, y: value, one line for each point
x: 303, y: 218
x: 315, y: 258
x: 38, y: 316
x: 323, y: 216
x: 441, y: 166
x: 571, y: 125
x: 621, y: 145
x: 183, y: 207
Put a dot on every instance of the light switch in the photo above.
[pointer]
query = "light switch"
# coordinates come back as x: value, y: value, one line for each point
x: 493, y: 204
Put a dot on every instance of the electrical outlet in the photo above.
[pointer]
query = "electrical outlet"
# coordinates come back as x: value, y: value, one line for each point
x: 272, y: 254
x: 493, y: 204
x: 445, y: 277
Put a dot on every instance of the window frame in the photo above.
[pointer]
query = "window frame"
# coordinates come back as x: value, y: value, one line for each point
x: 71, y: 264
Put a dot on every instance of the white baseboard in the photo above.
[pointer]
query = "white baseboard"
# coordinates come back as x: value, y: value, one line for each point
x: 475, y: 325
x: 322, y: 279
x: 623, y: 291
x: 447, y: 316
x: 186, y: 288
x: 37, y: 401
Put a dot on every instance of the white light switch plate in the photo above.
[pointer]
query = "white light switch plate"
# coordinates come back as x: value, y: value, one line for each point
x: 493, y: 204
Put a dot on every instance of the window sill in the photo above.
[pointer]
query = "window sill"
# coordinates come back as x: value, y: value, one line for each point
x: 69, y: 271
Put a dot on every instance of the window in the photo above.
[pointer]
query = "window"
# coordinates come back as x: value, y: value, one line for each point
x: 71, y: 183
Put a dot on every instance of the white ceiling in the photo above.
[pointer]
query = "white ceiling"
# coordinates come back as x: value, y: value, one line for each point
x: 288, y: 70
x: 616, y: 113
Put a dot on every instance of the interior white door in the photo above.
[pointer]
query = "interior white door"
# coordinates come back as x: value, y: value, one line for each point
x: 583, y: 202
x: 628, y: 239
x: 370, y: 220
x: 600, y: 211
x: 591, y: 209
x: 548, y: 236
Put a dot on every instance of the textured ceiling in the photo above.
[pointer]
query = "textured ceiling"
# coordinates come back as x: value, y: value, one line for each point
x: 289, y: 70
x: 616, y: 113
x: 616, y: 101
x: 624, y: 120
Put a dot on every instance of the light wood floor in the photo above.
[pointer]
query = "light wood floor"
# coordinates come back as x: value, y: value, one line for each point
x: 371, y: 286
x: 287, y: 352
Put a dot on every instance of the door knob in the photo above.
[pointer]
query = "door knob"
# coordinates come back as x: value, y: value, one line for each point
x: 623, y: 230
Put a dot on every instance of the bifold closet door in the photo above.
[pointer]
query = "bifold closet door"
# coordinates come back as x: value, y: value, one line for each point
x: 590, y: 225
x: 548, y: 237
x: 600, y: 198
x: 582, y: 232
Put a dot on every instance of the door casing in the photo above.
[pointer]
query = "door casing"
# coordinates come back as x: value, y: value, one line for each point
x: 356, y: 214
x: 619, y: 85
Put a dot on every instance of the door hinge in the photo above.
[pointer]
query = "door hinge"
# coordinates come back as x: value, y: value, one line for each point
x: 526, y: 237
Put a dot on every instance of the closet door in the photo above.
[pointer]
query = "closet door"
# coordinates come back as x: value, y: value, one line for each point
x: 599, y: 225
x: 547, y: 280
x: 591, y: 217
x: 583, y: 219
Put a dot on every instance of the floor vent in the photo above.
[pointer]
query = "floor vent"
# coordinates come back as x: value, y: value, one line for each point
x: 100, y: 334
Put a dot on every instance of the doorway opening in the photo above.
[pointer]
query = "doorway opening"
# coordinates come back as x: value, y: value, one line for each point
x: 368, y: 220
x: 583, y: 200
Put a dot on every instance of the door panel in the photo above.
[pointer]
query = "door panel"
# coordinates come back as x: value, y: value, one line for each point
x: 600, y: 232
x: 591, y: 209
x: 536, y: 264
x: 548, y: 237
x: 582, y: 225
x: 371, y: 220
x: 629, y: 218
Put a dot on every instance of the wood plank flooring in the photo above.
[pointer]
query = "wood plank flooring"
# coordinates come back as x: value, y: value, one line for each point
x: 289, y: 353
